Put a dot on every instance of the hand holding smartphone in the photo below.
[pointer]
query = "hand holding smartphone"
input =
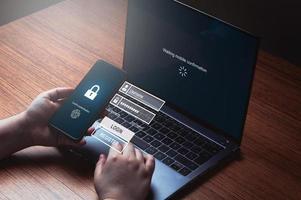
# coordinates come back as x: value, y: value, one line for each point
x: 89, y: 98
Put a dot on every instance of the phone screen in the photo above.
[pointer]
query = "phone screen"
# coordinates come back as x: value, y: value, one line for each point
x: 89, y: 98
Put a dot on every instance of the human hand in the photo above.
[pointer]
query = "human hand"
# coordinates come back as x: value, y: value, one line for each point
x: 37, y: 116
x: 124, y: 176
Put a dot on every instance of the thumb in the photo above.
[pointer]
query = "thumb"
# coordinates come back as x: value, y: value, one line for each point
x: 99, y: 165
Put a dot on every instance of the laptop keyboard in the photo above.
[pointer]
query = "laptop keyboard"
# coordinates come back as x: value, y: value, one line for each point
x: 169, y: 141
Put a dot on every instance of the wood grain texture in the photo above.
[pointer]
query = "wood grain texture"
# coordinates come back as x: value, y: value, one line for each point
x: 56, y: 47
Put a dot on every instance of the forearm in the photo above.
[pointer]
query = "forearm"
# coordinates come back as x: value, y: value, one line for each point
x: 13, y: 136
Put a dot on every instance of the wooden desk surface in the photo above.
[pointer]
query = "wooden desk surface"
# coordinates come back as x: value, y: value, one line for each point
x: 56, y: 47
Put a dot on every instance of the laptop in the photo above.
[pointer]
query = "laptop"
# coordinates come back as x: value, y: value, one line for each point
x: 189, y: 78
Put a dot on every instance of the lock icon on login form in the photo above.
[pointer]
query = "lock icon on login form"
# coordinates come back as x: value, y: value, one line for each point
x: 92, y: 92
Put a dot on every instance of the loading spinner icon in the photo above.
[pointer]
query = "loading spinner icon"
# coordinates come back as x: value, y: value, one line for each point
x: 183, y: 71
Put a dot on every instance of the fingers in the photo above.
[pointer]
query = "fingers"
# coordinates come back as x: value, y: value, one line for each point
x: 139, y: 155
x: 129, y: 151
x: 60, y: 102
x: 113, y: 153
x: 99, y: 166
x: 149, y: 164
x: 133, y: 153
x: 56, y: 104
x: 103, y: 114
x: 90, y: 130
x: 81, y: 142
x: 57, y: 93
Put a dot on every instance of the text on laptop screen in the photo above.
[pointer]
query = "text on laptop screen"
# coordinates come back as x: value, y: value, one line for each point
x: 194, y: 62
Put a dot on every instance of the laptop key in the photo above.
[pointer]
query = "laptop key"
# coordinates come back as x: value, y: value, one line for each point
x: 172, y: 135
x: 115, y: 109
x: 191, y: 155
x: 195, y: 134
x: 175, y: 146
x: 183, y: 150
x: 167, y: 141
x: 159, y: 119
x: 122, y: 114
x: 112, y: 116
x: 159, y: 136
x: 151, y: 150
x: 191, y: 165
x: 143, y: 125
x: 140, y: 134
x: 156, y: 126
x: 146, y: 128
x: 190, y: 137
x: 151, y: 131
x: 183, y: 132
x: 160, y: 156
x: 199, y: 141
x: 156, y: 143
x: 202, y: 158
x: 137, y: 121
x: 129, y: 118
x: 148, y: 138
x: 187, y: 144
x: 126, y: 124
x: 139, y: 143
x: 196, y: 149
x: 163, y: 148
x: 167, y: 123
x: 134, y: 129
x: 180, y: 140
x: 171, y: 153
x: 164, y: 130
x: 175, y: 127
x: 184, y: 171
x: 176, y: 166
x: 168, y: 161
x: 119, y: 120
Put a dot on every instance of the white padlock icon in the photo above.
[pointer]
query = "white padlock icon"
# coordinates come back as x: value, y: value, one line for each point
x: 92, y: 92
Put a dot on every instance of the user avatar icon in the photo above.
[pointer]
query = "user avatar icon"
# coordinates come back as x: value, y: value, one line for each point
x: 125, y: 87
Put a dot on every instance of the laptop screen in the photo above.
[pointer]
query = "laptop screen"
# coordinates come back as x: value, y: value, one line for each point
x: 199, y: 65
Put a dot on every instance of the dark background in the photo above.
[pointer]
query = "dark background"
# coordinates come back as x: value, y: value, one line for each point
x: 277, y: 22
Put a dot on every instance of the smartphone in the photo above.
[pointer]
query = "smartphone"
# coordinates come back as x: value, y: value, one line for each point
x: 88, y: 100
